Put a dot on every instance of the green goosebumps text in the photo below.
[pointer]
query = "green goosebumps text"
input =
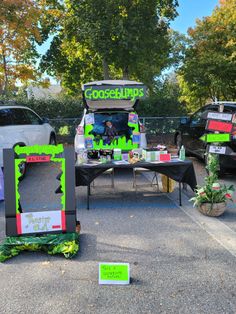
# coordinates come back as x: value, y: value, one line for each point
x: 114, y: 93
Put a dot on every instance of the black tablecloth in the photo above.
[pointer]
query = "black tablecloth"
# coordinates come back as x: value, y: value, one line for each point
x: 180, y: 171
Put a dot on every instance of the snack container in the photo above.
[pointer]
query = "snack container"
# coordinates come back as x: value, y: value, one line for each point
x: 150, y: 155
x: 117, y: 154
x: 82, y: 156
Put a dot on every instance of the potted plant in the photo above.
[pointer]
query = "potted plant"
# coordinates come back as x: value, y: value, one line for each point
x: 211, y: 199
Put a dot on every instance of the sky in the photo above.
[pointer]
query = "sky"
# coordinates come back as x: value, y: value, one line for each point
x: 189, y: 11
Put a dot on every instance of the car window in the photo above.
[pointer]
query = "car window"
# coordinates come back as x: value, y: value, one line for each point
x: 199, y: 117
x: 19, y: 117
x: 213, y: 108
x: 230, y: 109
x: 5, y: 117
x: 33, y: 118
x: 118, y: 120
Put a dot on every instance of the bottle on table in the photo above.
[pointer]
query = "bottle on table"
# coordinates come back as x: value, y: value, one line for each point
x: 182, y: 153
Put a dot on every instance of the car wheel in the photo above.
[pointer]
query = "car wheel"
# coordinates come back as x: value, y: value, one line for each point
x: 52, y: 140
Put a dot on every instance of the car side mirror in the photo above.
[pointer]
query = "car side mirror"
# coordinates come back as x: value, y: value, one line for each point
x: 45, y: 120
x: 184, y: 120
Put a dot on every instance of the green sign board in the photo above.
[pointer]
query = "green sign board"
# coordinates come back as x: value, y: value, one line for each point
x: 114, y: 274
x: 215, y: 138
x: 114, y: 92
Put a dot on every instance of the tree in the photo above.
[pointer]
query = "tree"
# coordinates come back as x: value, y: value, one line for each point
x: 112, y: 38
x: 209, y: 69
x: 18, y: 26
x: 23, y: 24
x: 165, y: 99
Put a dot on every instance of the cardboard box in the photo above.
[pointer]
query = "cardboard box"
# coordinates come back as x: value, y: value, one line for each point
x: 117, y: 154
x: 165, y: 157
x: 152, y: 155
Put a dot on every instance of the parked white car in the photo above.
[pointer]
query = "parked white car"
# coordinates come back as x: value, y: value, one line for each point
x: 22, y: 126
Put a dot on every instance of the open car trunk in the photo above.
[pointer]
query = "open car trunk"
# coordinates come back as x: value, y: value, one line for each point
x: 111, y: 101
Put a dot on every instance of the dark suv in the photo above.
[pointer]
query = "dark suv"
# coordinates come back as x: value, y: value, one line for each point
x: 191, y: 129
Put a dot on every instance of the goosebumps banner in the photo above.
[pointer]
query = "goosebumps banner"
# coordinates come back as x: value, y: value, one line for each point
x: 114, y: 92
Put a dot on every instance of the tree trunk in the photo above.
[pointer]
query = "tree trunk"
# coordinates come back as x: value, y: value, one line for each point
x: 125, y: 73
x: 106, y: 73
x: 5, y: 83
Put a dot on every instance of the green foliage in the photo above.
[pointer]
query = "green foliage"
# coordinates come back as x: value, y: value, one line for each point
x: 156, y: 106
x: 19, y: 29
x: 207, y: 194
x: 212, y: 191
x: 192, y: 99
x: 62, y: 243
x: 179, y: 43
x: 114, y: 38
x: 210, y: 63
x: 72, y: 63
x: 164, y: 101
x: 66, y: 107
x: 69, y: 249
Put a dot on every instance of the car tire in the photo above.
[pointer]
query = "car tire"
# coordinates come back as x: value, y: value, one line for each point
x: 52, y: 140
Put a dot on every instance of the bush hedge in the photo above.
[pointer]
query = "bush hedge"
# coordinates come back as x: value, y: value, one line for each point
x: 73, y: 108
x: 50, y: 108
x: 160, y: 107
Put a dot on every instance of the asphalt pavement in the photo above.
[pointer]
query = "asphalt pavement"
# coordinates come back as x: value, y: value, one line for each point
x: 180, y: 262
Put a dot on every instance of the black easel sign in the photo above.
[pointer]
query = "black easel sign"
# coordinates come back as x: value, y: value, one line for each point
x: 19, y: 222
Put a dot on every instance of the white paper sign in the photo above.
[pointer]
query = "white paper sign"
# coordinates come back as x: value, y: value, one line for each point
x: 89, y: 118
x: 41, y: 221
x: 114, y: 274
x: 217, y: 149
x: 219, y: 116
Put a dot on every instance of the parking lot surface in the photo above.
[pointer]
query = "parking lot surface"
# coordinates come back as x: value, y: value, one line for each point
x: 178, y: 264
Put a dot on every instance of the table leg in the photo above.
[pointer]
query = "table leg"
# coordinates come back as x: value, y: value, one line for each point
x: 168, y: 185
x: 88, y: 193
x: 180, y: 195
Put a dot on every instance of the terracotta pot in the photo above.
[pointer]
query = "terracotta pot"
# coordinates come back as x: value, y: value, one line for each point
x: 212, y: 210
